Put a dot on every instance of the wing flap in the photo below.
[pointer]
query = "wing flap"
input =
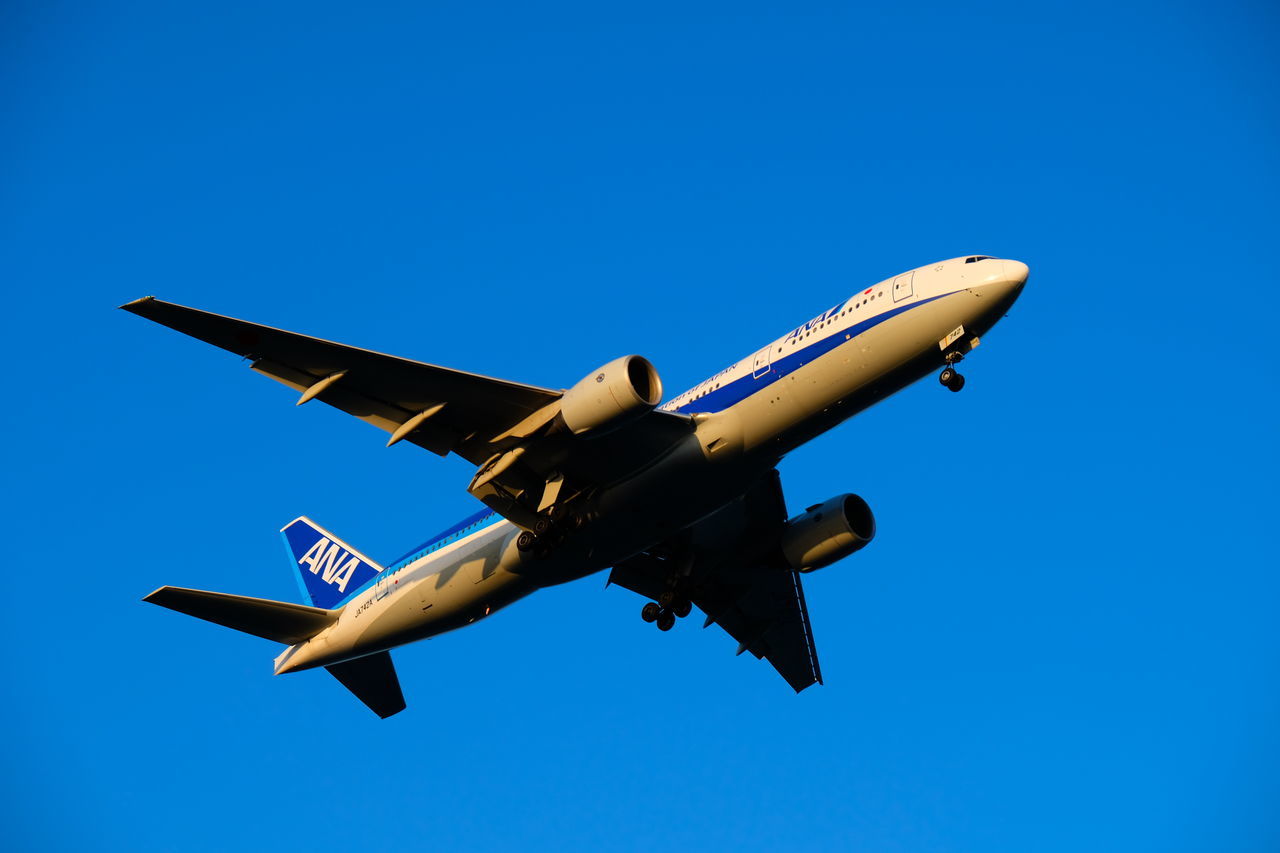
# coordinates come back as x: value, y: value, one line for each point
x: 383, y: 390
x: 384, y: 416
x: 442, y: 410
x: 771, y: 622
x: 737, y: 581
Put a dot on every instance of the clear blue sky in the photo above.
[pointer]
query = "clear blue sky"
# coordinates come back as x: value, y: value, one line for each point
x: 1065, y: 636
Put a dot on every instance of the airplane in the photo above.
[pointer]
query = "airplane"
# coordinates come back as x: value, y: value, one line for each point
x: 681, y: 501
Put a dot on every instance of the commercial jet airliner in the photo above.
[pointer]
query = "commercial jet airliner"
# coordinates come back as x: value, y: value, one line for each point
x: 681, y: 500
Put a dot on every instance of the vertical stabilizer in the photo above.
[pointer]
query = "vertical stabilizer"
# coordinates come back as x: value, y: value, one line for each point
x: 329, y: 569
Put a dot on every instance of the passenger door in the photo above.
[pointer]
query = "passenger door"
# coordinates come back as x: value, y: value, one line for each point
x: 762, y: 362
x: 902, y: 286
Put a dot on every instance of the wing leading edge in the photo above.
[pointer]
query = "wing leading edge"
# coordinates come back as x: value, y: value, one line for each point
x: 384, y: 390
x: 490, y: 422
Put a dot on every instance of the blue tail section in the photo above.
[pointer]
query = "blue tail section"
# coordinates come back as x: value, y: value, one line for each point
x: 329, y: 569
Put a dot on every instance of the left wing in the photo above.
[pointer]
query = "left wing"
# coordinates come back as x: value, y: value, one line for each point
x: 504, y: 428
x: 383, y: 390
x: 726, y: 566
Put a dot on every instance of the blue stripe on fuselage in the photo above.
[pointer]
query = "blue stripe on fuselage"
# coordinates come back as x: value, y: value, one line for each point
x: 468, y: 525
x: 744, y: 386
x: 714, y: 401
x: 469, y: 521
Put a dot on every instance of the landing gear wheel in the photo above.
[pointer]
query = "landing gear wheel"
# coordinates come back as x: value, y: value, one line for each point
x: 682, y: 608
x: 541, y: 526
x: 650, y: 612
x: 950, y: 379
x: 666, y: 620
x: 667, y: 598
x: 525, y: 541
x: 565, y: 517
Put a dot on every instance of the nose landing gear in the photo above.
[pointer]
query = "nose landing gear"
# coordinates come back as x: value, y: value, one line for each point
x: 950, y: 377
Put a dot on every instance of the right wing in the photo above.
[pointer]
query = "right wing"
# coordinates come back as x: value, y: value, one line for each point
x: 725, y: 565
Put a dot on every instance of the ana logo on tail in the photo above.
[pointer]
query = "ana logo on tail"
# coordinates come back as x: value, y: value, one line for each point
x: 328, y: 568
x: 326, y: 559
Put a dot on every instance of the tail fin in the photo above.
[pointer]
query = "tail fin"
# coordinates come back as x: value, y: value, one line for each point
x: 329, y: 570
x: 275, y: 620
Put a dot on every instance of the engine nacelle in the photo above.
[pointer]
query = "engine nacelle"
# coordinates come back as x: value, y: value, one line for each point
x: 828, y: 532
x: 613, y: 396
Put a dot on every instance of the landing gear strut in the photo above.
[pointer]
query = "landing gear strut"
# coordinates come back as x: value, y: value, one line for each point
x: 950, y: 377
x: 675, y: 598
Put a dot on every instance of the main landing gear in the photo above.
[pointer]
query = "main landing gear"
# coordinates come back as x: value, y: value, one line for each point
x: 665, y: 611
x: 950, y: 377
x: 549, y: 531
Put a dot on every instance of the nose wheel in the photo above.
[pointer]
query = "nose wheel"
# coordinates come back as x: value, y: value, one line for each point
x: 950, y: 377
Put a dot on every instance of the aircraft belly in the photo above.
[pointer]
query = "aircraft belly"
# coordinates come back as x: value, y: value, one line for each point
x: 472, y: 585
x: 768, y: 412
x: 689, y: 484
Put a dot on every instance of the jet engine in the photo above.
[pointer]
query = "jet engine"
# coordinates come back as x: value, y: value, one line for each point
x: 613, y: 396
x: 827, y: 532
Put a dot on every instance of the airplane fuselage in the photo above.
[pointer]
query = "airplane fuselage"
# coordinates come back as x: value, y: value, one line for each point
x: 747, y: 417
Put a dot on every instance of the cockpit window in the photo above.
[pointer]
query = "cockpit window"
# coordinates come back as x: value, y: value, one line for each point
x: 976, y: 258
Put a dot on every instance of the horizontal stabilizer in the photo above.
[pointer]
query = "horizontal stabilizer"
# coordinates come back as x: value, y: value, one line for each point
x: 374, y: 682
x: 274, y: 620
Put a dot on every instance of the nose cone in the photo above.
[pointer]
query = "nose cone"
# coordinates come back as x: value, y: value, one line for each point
x: 1015, y: 272
x: 1003, y: 283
